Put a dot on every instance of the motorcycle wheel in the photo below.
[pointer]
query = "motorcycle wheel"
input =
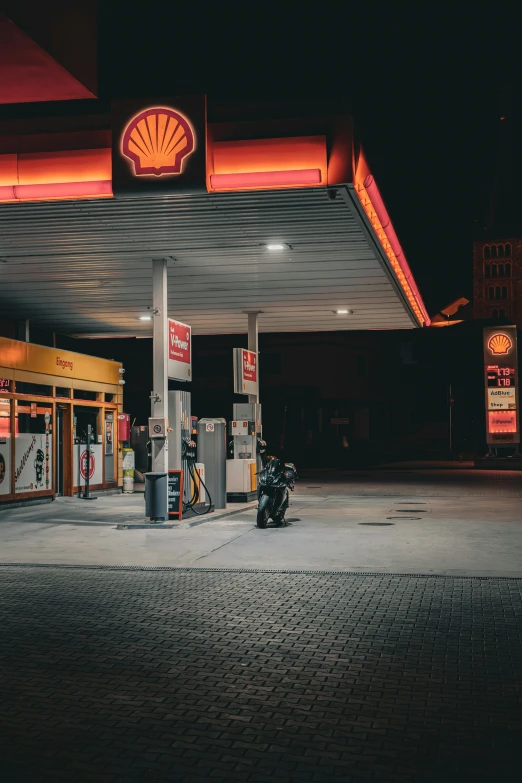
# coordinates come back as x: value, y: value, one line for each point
x: 263, y: 511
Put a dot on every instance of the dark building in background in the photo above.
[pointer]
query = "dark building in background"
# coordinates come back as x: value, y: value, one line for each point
x: 497, y: 246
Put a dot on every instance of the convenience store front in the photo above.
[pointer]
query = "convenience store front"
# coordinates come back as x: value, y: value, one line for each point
x: 48, y: 397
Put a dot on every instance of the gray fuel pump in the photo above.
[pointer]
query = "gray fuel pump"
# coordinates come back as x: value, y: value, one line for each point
x: 242, y: 469
x: 212, y: 452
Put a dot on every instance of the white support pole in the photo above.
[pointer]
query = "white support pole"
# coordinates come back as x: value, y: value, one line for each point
x: 253, y: 342
x: 160, y: 397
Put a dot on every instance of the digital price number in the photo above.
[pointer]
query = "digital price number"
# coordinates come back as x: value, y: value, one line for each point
x: 502, y: 377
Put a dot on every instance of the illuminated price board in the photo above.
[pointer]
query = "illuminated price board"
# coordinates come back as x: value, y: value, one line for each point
x: 501, y: 385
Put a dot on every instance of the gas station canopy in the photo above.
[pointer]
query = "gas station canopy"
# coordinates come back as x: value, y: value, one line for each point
x: 278, y: 216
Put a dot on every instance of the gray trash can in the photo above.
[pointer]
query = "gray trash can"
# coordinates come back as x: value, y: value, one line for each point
x: 156, y: 496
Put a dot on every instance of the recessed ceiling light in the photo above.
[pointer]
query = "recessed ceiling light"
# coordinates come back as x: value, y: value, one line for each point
x: 343, y: 312
x: 145, y: 318
x: 277, y: 246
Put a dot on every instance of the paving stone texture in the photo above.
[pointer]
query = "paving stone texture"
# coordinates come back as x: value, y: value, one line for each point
x: 123, y: 675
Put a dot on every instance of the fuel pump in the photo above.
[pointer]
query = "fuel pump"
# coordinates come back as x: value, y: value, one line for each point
x: 242, y: 467
x: 198, y: 496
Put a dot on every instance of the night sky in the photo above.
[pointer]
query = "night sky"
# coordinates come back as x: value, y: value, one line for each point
x: 424, y: 87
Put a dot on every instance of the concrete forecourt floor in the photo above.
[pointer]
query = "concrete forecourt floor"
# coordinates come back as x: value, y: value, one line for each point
x: 377, y: 637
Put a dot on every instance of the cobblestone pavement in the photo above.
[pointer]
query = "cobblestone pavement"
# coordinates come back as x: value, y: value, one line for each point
x: 123, y: 675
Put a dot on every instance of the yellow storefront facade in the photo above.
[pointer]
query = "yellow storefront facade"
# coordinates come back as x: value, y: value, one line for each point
x: 50, y: 400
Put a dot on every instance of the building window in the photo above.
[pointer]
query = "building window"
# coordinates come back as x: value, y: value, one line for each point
x: 494, y: 313
x: 501, y: 270
x: 507, y: 269
x: 491, y: 292
x: 494, y: 251
x: 34, y: 388
x: 504, y: 292
x: 487, y: 270
x: 487, y: 252
x: 82, y: 394
x: 501, y: 251
x: 494, y: 270
x: 508, y: 251
x: 502, y: 313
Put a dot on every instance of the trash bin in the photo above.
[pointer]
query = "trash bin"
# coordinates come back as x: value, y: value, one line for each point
x: 156, y: 496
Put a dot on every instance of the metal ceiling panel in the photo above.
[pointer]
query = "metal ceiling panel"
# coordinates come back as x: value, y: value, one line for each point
x: 85, y: 267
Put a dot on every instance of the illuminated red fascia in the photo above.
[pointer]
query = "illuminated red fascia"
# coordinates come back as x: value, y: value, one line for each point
x: 68, y: 174
x: 254, y: 164
x: 266, y: 179
x: 372, y: 203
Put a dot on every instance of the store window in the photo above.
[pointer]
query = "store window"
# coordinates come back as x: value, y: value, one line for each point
x: 63, y: 391
x: 5, y: 385
x: 38, y: 389
x: 110, y: 397
x: 82, y: 394
x: 5, y: 447
x: 33, y: 447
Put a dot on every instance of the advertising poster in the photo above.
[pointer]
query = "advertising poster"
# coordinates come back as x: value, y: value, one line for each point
x: 245, y: 371
x: 83, y: 466
x: 175, y: 493
x: 33, y: 462
x: 5, y: 447
x: 180, y: 351
x: 109, y: 434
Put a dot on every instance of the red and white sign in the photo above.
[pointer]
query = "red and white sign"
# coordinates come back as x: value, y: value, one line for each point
x: 245, y: 371
x: 250, y: 366
x: 92, y: 466
x: 87, y: 465
x: 180, y: 351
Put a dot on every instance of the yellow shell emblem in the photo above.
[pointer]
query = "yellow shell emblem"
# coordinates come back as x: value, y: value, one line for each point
x: 157, y: 141
x: 499, y: 344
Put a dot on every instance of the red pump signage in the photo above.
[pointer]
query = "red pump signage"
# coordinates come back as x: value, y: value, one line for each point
x: 245, y: 371
x: 180, y: 351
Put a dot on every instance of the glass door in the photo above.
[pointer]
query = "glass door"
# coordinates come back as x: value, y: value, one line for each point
x: 59, y: 450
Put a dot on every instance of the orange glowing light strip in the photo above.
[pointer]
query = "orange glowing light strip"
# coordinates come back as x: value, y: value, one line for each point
x: 412, y: 295
x: 266, y: 179
x: 254, y: 164
x: 69, y: 174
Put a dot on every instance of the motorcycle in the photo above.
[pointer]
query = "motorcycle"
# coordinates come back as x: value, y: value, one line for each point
x: 275, y: 480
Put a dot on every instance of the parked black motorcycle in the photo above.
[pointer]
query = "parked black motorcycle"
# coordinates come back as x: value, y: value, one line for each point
x: 275, y: 480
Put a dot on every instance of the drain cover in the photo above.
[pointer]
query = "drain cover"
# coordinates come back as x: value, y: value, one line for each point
x: 313, y: 487
x: 379, y: 524
x: 411, y: 510
x: 403, y: 517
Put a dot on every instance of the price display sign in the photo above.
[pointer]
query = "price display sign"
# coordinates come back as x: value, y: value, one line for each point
x: 501, y: 385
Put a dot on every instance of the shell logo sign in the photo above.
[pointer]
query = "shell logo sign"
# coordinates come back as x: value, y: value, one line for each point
x: 499, y: 344
x: 157, y: 141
